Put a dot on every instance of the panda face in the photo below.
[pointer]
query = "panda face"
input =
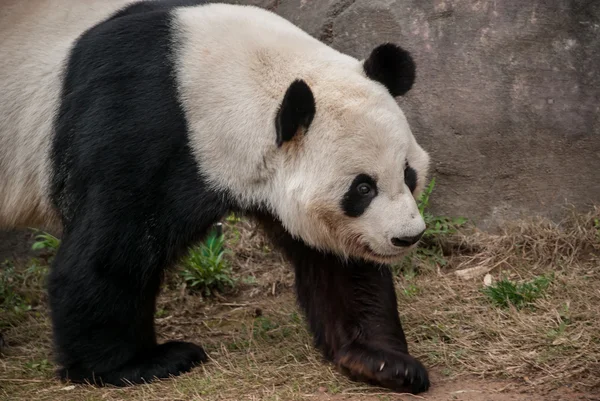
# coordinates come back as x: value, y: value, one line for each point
x: 368, y: 183
x: 352, y: 178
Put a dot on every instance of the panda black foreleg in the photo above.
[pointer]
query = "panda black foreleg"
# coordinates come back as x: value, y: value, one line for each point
x: 102, y: 290
x: 351, y: 309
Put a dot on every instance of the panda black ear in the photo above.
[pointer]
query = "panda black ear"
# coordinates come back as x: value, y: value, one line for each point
x: 392, y: 66
x: 296, y: 111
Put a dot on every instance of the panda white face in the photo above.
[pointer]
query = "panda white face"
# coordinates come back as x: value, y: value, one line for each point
x: 352, y: 178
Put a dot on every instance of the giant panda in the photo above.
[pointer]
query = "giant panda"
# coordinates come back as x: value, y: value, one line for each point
x: 135, y: 126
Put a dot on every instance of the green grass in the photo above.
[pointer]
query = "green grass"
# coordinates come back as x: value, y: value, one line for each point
x: 45, y: 241
x: 206, y: 269
x: 437, y: 225
x: 20, y: 290
x: 430, y: 252
x: 9, y: 283
x: 506, y: 293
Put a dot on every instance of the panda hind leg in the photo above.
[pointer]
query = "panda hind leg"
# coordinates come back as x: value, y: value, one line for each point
x: 102, y: 296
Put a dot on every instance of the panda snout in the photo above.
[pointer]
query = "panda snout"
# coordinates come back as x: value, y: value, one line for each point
x: 407, y: 241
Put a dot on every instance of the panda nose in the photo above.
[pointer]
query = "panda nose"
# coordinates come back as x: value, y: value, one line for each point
x: 407, y: 241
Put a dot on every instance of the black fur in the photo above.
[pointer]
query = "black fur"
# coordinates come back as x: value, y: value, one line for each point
x: 354, y: 203
x: 392, y: 66
x: 352, y: 312
x: 296, y: 111
x: 126, y: 186
x: 410, y: 177
x: 151, y: 6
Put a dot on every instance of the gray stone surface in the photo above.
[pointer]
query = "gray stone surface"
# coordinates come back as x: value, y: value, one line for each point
x: 507, y: 98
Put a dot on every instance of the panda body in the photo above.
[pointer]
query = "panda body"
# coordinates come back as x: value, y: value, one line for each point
x: 136, y: 126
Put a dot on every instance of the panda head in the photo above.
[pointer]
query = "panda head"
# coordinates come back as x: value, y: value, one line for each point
x: 352, y: 169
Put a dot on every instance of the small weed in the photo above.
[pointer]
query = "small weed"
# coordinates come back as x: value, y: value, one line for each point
x: 45, y: 241
x: 429, y: 251
x: 558, y: 332
x: 597, y: 227
x: 436, y: 225
x: 10, y: 298
x: 295, y: 318
x: 262, y: 326
x: 249, y: 280
x: 205, y: 268
x: 235, y: 236
x: 233, y: 218
x: 506, y: 292
x: 38, y: 365
x: 20, y: 290
x: 563, y: 323
x: 411, y: 290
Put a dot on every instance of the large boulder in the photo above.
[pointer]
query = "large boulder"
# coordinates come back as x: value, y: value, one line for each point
x: 507, y: 98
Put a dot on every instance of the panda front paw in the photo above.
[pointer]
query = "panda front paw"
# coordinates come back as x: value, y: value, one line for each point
x: 393, y: 370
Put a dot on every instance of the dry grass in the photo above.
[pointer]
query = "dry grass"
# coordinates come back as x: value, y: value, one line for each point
x: 260, y: 348
x: 556, y: 341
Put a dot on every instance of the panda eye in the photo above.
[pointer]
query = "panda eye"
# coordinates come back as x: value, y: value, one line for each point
x: 359, y: 195
x: 364, y: 189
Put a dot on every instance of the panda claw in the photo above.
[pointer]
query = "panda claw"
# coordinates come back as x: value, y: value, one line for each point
x: 365, y: 365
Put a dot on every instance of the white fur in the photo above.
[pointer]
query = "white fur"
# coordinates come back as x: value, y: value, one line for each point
x: 35, y: 37
x: 235, y: 64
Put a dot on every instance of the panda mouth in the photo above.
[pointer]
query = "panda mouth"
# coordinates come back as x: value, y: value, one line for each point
x: 390, y: 257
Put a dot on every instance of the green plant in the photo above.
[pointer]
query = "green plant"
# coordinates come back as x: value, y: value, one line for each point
x: 45, y: 241
x: 505, y: 292
x: 20, y: 289
x: 233, y: 218
x: 39, y: 365
x: 410, y: 290
x: 205, y: 267
x: 436, y: 225
x: 430, y: 252
x: 9, y: 284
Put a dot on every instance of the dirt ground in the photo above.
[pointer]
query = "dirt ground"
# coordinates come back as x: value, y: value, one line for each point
x: 260, y: 348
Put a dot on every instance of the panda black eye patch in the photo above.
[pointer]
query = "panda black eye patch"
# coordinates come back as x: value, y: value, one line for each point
x: 410, y: 177
x: 359, y: 196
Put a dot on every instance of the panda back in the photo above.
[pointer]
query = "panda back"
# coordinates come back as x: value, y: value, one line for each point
x: 36, y: 38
